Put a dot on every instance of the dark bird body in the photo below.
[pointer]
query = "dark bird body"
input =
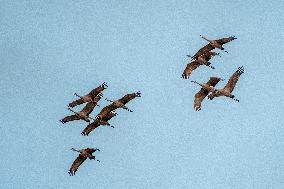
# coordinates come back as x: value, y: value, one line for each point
x: 84, y: 154
x: 228, y: 89
x: 204, y: 91
x: 98, y: 122
x: 82, y: 115
x: 120, y: 103
x: 201, y: 60
x: 218, y: 43
x: 90, y: 97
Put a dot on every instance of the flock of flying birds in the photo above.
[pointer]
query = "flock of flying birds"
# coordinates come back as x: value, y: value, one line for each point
x: 202, y: 57
x: 108, y: 112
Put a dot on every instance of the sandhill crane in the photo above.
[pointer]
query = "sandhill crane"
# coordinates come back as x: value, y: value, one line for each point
x: 218, y: 43
x: 201, y: 60
x: 84, y: 154
x: 228, y: 89
x: 82, y: 115
x: 127, y: 98
x: 99, y: 122
x: 120, y: 103
x: 204, y: 91
x: 90, y: 97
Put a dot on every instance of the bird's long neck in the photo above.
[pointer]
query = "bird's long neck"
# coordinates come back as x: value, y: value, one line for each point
x: 197, y: 83
x: 72, y: 110
x: 78, y: 95
x: 75, y: 150
x: 205, y: 38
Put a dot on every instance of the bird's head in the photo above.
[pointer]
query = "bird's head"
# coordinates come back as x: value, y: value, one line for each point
x: 233, y: 37
x: 138, y: 94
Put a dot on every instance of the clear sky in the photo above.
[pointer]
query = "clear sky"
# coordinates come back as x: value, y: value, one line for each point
x: 51, y: 49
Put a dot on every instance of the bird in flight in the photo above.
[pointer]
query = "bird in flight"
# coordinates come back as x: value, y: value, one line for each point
x: 83, y: 155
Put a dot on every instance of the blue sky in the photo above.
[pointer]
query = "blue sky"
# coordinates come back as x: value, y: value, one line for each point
x: 51, y: 49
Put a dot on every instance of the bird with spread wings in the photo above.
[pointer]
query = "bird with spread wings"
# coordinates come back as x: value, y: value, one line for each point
x: 104, y: 121
x: 90, y: 97
x: 84, y: 154
x: 82, y: 115
x: 120, y: 103
x: 217, y: 43
x: 228, y: 89
x: 201, y: 60
x: 204, y: 91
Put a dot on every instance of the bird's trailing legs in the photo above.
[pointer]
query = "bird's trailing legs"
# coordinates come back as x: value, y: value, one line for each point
x: 94, y: 158
x: 209, y: 65
x: 218, y: 54
x: 233, y: 97
x: 105, y: 123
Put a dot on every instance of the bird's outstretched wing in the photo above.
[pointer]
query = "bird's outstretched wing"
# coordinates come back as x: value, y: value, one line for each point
x: 189, y: 68
x: 76, y: 103
x: 76, y: 164
x: 96, y: 124
x: 89, y: 108
x: 70, y: 118
x: 92, y: 126
x: 97, y: 90
x: 200, y: 95
x: 91, y: 94
x: 233, y: 80
x: 203, y: 50
x: 127, y: 98
x: 223, y: 41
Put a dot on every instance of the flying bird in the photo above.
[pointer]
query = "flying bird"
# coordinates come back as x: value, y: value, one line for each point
x: 120, y: 103
x: 104, y: 121
x: 90, y: 97
x: 201, y: 60
x: 82, y: 115
x: 228, y: 89
x: 218, y: 43
x: 204, y: 91
x: 127, y: 98
x: 84, y: 154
